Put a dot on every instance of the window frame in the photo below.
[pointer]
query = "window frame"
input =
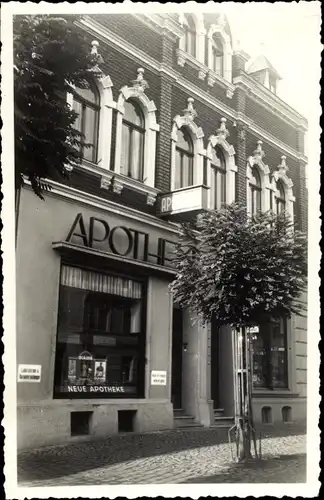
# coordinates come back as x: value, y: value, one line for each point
x: 267, y: 343
x: 188, y: 154
x: 96, y: 107
x: 215, y: 53
x: 254, y: 189
x: 142, y: 130
x: 221, y: 174
x: 140, y: 335
x: 281, y: 199
x: 190, y: 32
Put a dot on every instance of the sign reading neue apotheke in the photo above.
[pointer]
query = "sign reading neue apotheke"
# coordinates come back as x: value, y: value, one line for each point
x: 121, y: 240
x: 100, y: 389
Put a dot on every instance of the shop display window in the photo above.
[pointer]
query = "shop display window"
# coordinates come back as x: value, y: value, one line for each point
x: 100, y: 348
x: 270, y: 365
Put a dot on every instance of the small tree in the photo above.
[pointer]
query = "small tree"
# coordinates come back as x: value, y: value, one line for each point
x: 50, y: 57
x: 239, y: 271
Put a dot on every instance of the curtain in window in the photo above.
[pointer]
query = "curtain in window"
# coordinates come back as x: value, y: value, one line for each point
x: 96, y: 282
x: 86, y: 103
x: 190, y: 35
x: 137, y: 155
x: 280, y: 197
x: 125, y: 150
x: 218, y: 165
x: 90, y: 131
x: 184, y: 160
x: 217, y: 56
x: 255, y: 192
x: 133, y: 131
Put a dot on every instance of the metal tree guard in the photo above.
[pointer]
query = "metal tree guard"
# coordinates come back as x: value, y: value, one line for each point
x: 242, y: 371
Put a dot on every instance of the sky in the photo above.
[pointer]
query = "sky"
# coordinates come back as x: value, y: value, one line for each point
x: 288, y: 35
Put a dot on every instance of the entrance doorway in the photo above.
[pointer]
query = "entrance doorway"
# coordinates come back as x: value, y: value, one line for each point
x: 176, y: 381
x: 215, y: 365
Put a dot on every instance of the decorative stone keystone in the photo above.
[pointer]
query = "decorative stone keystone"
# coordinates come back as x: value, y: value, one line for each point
x: 105, y: 182
x: 242, y: 134
x: 94, y: 52
x: 111, y: 183
x: 117, y: 185
x: 202, y: 74
x: 222, y: 131
x: 283, y: 167
x: 94, y: 48
x: 211, y: 80
x: 140, y: 84
x: 181, y: 59
x: 190, y: 113
x: 258, y: 153
x: 150, y: 199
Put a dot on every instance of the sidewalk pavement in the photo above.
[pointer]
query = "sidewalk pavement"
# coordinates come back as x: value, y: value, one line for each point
x: 169, y: 457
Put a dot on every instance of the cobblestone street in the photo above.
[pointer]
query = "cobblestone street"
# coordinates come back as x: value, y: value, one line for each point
x: 186, y: 456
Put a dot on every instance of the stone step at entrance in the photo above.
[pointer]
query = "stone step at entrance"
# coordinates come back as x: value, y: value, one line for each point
x: 218, y: 412
x: 183, y: 421
x: 224, y: 422
x: 221, y: 420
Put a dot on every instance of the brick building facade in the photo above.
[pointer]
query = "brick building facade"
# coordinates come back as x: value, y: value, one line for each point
x: 180, y: 123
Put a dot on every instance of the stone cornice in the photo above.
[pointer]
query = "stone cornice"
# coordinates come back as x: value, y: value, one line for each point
x: 270, y: 101
x: 266, y: 136
x: 161, y: 23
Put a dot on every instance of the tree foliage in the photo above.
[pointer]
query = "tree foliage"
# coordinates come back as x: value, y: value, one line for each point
x: 240, y: 269
x: 50, y: 57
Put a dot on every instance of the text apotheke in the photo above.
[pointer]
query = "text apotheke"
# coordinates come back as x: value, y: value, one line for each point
x: 94, y: 388
x: 121, y: 240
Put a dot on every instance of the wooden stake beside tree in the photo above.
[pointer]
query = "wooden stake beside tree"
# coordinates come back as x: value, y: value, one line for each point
x: 240, y: 271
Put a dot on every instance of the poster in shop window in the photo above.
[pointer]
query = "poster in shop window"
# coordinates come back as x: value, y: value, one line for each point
x: 72, y: 370
x: 87, y: 374
x: 100, y: 371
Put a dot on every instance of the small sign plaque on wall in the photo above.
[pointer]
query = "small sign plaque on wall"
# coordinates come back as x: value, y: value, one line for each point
x: 158, y: 377
x: 29, y: 373
x: 254, y: 329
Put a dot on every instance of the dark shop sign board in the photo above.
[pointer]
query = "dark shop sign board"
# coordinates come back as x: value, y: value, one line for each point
x: 121, y: 240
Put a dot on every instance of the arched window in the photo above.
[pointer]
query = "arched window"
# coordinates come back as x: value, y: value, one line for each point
x: 184, y: 159
x: 86, y: 102
x: 217, y: 56
x: 132, y: 150
x: 280, y: 198
x: 190, y: 35
x: 218, y: 166
x: 255, y: 191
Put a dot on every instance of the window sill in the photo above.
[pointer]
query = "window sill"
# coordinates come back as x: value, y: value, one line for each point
x: 116, y: 182
x: 203, y: 71
x: 275, y: 393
